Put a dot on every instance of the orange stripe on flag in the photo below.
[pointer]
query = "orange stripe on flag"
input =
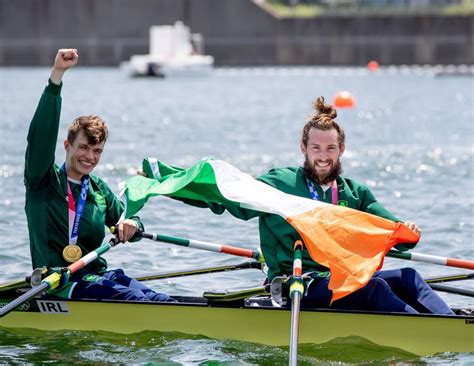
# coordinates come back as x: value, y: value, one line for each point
x: 351, y: 243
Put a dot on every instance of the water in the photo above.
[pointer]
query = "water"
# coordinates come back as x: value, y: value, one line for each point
x: 410, y: 138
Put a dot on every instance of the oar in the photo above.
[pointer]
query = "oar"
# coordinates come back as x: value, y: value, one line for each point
x: 253, y: 254
x: 192, y: 272
x: 228, y: 296
x: 52, y: 281
x: 204, y: 245
x: 444, y: 261
x: 450, y: 278
x: 296, y: 292
x: 258, y: 265
x: 451, y: 290
x: 221, y: 248
x: 434, y: 283
x: 16, y: 284
x: 262, y: 290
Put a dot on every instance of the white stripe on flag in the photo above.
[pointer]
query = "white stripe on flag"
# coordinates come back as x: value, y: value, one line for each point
x: 237, y: 186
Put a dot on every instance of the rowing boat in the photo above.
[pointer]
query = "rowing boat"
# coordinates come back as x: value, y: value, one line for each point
x: 253, y: 319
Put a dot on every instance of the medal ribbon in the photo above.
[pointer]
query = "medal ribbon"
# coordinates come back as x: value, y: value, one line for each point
x: 75, y: 212
x: 315, y: 196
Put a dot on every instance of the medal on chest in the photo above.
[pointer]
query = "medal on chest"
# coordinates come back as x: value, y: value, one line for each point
x: 72, y: 252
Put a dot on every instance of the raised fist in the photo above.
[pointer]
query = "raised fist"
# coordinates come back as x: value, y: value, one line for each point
x: 65, y: 58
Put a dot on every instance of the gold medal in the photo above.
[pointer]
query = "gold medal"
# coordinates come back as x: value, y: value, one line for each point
x: 72, y: 253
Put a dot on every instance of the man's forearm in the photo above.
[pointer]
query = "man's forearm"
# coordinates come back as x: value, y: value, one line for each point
x: 57, y: 75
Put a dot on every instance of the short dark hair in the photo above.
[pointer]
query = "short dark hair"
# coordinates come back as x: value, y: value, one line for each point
x: 93, y: 126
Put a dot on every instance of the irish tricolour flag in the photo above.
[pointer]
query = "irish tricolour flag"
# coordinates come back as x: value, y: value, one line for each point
x: 351, y: 243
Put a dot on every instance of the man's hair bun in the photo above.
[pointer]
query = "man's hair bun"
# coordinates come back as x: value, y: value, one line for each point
x: 324, y: 109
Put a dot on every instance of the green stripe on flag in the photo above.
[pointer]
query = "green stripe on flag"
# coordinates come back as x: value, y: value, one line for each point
x: 196, y: 183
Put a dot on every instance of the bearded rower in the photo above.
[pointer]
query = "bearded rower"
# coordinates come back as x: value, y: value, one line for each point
x: 322, y: 145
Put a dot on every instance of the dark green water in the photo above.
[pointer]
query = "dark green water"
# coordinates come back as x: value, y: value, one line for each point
x: 154, y: 348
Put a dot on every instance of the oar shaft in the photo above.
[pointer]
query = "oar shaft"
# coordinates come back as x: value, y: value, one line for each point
x: 452, y: 290
x: 450, y: 278
x: 295, y: 313
x: 204, y: 245
x: 192, y: 272
x: 23, y: 298
x: 444, y: 261
x: 296, y: 292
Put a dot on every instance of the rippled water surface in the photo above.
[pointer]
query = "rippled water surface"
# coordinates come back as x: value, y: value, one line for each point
x: 410, y: 138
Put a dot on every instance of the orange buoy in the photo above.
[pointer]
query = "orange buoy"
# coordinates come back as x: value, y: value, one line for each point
x: 343, y: 99
x: 373, y: 65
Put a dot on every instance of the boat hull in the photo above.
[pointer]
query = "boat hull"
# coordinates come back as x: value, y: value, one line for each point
x: 251, y: 322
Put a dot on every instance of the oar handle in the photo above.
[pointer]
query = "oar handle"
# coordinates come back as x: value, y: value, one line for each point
x: 198, y: 244
x: 443, y: 261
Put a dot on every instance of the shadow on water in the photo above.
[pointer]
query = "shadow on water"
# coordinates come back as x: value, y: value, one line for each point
x: 156, y: 348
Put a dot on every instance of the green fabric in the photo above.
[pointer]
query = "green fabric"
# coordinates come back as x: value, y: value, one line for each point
x: 140, y: 196
x: 46, y: 194
x: 195, y: 184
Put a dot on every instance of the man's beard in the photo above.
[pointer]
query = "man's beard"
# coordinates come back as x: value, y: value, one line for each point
x: 311, y: 174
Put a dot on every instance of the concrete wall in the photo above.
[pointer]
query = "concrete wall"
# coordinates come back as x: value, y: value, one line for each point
x: 390, y: 40
x: 236, y: 32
